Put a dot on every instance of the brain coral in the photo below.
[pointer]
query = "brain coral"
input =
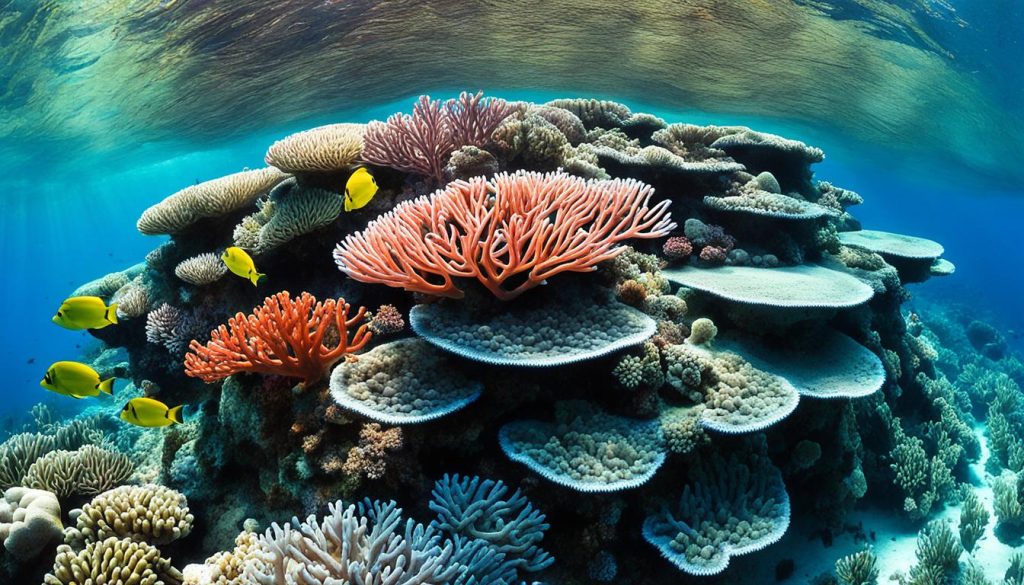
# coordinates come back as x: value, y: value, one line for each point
x: 803, y: 286
x: 893, y: 245
x: 29, y: 522
x: 112, y: 562
x: 149, y: 513
x: 586, y: 449
x: 728, y: 506
x: 210, y: 199
x: 402, y: 382
x: 324, y: 148
x: 568, y: 329
x: 483, y: 508
x: 827, y: 364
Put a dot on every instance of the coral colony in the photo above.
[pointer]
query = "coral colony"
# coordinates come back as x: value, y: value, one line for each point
x: 621, y: 331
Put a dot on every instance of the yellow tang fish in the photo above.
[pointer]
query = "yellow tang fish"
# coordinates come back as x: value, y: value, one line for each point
x: 239, y: 262
x: 85, y: 313
x: 75, y: 380
x: 149, y: 412
x: 360, y: 189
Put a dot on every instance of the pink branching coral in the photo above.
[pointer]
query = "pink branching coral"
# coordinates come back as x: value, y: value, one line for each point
x: 510, y: 233
x: 284, y: 337
x: 423, y: 142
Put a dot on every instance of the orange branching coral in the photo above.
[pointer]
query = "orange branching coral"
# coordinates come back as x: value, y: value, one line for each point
x: 285, y: 337
x: 510, y: 233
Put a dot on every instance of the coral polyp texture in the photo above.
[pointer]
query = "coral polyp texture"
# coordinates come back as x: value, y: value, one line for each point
x: 586, y: 449
x: 740, y: 398
x: 284, y: 337
x: 201, y: 270
x: 324, y: 148
x: 403, y: 382
x: 804, y: 286
x: 112, y: 562
x: 729, y: 506
x: 210, y: 199
x: 889, y: 244
x: 149, y: 513
x: 565, y: 330
x: 822, y: 365
x: 510, y: 233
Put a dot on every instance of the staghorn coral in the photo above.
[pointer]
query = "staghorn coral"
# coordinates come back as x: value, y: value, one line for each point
x: 423, y: 142
x: 476, y: 508
x: 369, y: 458
x: 210, y: 199
x: 324, y: 148
x: 29, y: 522
x: 392, y: 250
x: 729, y: 506
x: 407, y: 381
x: 112, y: 562
x: 201, y: 270
x: 284, y: 337
x: 586, y: 449
x: 859, y: 568
x: 149, y: 513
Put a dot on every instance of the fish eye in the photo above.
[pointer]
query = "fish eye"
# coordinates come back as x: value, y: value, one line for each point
x: 60, y: 313
x: 125, y: 409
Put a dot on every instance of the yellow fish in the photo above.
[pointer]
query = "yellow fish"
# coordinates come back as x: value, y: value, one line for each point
x: 239, y: 262
x: 75, y: 380
x: 148, y: 412
x: 85, y: 313
x: 360, y: 189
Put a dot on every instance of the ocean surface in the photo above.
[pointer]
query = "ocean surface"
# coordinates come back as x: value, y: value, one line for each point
x: 106, y: 108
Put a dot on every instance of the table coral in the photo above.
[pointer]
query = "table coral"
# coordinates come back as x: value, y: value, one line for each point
x: 510, y: 233
x: 804, y: 286
x: 586, y: 449
x: 729, y: 506
x: 284, y: 337
x: 403, y: 382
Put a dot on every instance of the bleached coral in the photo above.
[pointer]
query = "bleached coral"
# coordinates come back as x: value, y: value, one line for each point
x: 29, y: 522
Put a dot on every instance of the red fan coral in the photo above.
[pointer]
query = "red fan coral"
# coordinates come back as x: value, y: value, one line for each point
x: 510, y: 233
x: 423, y: 142
x: 284, y: 337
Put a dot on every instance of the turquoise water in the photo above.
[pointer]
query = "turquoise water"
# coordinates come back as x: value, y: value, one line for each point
x: 109, y: 109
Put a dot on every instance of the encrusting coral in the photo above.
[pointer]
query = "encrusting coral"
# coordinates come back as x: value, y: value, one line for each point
x: 284, y: 337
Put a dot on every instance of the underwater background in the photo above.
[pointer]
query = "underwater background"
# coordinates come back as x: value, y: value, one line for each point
x: 107, y: 108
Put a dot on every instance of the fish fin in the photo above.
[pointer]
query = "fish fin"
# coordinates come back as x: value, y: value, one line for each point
x: 348, y: 201
x: 111, y: 314
x: 106, y: 386
x: 175, y: 415
x: 255, y: 277
x: 75, y: 397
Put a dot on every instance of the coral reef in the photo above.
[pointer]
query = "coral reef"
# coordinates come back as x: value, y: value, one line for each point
x: 150, y: 513
x: 324, y: 148
x: 30, y: 521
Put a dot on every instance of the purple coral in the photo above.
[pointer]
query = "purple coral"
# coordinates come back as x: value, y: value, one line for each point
x: 423, y: 142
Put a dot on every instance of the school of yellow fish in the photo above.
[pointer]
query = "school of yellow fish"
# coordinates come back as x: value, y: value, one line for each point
x: 79, y: 380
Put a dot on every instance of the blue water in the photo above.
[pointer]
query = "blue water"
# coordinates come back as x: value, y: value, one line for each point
x: 57, y: 232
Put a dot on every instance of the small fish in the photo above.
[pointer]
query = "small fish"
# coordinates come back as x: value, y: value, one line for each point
x: 85, y: 313
x: 360, y: 189
x: 75, y: 380
x: 239, y: 262
x: 149, y: 412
